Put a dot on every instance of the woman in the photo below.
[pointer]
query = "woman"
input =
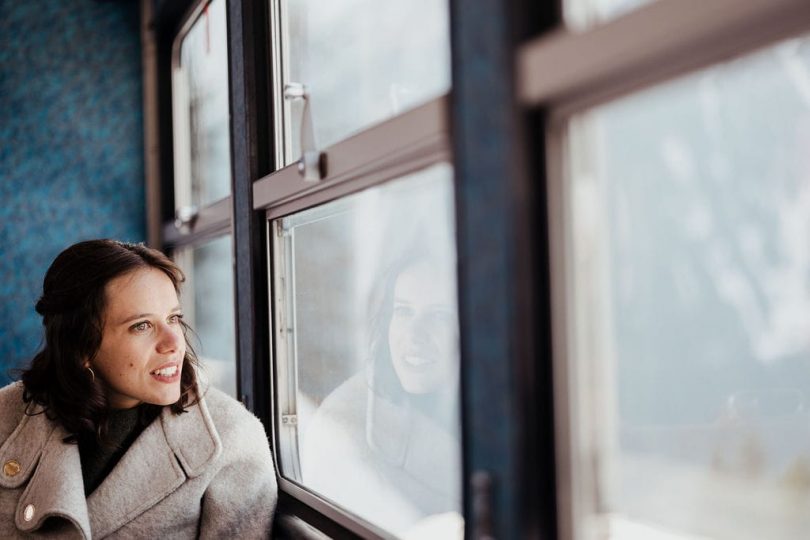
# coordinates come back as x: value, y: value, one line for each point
x: 108, y: 434
x: 392, y: 432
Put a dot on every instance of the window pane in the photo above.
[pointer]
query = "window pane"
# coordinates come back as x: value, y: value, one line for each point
x: 201, y: 117
x: 583, y: 14
x: 362, y: 62
x: 368, y: 351
x: 690, y: 208
x: 208, y: 308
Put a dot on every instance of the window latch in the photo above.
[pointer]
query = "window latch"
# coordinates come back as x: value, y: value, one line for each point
x: 312, y: 164
x: 184, y: 218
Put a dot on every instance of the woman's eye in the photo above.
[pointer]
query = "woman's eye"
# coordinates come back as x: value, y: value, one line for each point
x: 174, y: 319
x: 141, y: 326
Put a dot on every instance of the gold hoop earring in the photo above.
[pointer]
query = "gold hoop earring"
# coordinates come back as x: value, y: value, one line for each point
x: 92, y: 373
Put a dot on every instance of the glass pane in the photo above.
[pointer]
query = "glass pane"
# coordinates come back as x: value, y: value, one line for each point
x: 201, y: 117
x: 581, y: 14
x: 362, y: 62
x: 690, y: 208
x: 208, y: 306
x: 366, y: 293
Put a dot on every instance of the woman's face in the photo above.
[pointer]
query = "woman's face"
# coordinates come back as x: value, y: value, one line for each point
x: 142, y: 347
x: 423, y: 334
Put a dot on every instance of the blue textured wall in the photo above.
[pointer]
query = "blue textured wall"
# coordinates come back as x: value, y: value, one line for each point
x: 71, y: 145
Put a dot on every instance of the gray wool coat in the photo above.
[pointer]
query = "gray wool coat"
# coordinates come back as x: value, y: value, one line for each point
x: 207, y: 473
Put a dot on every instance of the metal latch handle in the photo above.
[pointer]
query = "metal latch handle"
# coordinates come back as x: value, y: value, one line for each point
x: 184, y: 217
x: 312, y: 164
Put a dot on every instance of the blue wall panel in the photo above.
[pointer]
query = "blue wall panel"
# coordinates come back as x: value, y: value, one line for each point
x: 71, y: 145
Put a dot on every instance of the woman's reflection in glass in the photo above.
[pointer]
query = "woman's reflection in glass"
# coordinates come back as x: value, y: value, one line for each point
x: 386, y: 442
x: 413, y: 361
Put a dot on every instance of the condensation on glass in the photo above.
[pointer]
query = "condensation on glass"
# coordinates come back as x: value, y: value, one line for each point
x: 362, y: 61
x: 201, y: 119
x: 367, y: 348
x: 690, y: 285
x: 583, y: 14
x: 208, y: 308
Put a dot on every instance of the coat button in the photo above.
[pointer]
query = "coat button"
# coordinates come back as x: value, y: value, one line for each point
x: 11, y: 467
x: 28, y: 513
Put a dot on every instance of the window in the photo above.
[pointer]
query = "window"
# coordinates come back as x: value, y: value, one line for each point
x: 366, y: 331
x: 206, y: 305
x: 360, y: 62
x: 690, y: 207
x: 200, y: 236
x: 202, y: 159
x: 678, y: 197
x: 367, y: 324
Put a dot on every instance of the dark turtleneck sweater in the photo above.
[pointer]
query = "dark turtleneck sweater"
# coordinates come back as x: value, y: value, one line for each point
x: 124, y: 426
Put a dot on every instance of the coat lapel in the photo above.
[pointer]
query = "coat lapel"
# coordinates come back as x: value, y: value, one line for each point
x: 147, y: 472
x: 24, y: 447
x: 158, y: 462
x: 56, y: 488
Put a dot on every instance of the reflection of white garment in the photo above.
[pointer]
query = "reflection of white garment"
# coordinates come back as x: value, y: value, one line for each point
x: 395, y: 491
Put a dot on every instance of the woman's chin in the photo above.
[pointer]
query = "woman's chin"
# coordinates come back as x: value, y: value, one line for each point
x: 415, y: 384
x: 163, y: 399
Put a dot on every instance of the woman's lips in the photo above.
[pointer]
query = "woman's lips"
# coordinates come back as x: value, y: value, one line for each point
x: 417, y: 361
x: 167, y: 373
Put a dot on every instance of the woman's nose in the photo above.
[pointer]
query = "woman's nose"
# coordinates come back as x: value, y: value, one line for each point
x: 419, y: 328
x: 169, y: 339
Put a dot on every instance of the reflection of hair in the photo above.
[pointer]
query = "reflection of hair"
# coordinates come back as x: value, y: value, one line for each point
x: 72, y: 308
x: 382, y: 377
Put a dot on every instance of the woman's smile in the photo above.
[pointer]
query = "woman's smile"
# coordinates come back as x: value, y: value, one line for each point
x: 167, y: 373
x: 423, y: 333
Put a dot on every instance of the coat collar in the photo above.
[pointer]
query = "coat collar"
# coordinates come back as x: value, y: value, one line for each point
x: 52, y: 470
x: 169, y: 450
x: 25, y: 444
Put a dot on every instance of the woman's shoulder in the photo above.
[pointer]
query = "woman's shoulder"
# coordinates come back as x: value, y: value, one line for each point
x: 11, y: 399
x: 338, y: 425
x: 347, y: 402
x: 12, y: 408
x: 12, y: 391
x: 224, y: 409
x: 230, y: 417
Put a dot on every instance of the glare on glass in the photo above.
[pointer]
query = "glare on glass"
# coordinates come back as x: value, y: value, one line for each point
x: 208, y: 307
x: 368, y: 324
x: 363, y: 61
x: 690, y: 270
x: 581, y: 14
x: 201, y: 117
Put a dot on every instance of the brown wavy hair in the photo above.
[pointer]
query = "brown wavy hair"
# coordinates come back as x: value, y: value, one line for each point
x: 72, y: 308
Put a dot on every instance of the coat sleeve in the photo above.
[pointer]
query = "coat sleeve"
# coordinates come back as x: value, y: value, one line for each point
x: 241, y: 498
